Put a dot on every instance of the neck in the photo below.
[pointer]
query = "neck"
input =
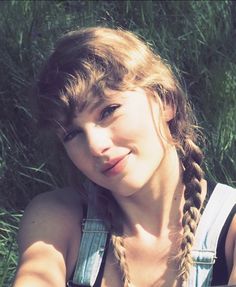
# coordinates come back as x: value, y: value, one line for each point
x: 157, y: 207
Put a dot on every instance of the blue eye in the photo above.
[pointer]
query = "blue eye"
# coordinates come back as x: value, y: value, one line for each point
x: 108, y: 111
x: 70, y: 135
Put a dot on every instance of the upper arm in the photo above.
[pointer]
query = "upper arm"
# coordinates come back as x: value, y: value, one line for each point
x: 231, y: 252
x: 232, y: 279
x: 45, y: 235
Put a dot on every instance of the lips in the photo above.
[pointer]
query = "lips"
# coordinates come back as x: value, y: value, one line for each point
x: 114, y: 165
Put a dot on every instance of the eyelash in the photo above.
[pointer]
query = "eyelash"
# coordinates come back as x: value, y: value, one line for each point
x: 110, y: 110
x: 73, y: 133
x: 70, y: 135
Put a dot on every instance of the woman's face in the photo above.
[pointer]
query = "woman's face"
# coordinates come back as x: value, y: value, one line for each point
x: 117, y: 142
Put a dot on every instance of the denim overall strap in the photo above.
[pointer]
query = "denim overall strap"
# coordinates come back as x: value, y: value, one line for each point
x: 92, y: 246
x: 208, y: 231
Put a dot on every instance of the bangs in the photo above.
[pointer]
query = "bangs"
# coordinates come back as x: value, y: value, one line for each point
x: 73, y: 100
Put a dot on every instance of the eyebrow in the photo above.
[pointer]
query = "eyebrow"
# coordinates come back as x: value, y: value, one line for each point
x: 63, y: 126
x: 96, y: 105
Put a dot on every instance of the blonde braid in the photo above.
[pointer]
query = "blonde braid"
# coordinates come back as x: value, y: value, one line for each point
x: 192, y: 158
x: 117, y: 240
x: 119, y: 251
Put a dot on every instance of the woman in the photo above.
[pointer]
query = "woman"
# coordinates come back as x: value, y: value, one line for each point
x: 144, y: 216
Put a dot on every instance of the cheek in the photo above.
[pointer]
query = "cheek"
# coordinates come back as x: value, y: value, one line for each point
x: 76, y: 156
x: 136, y: 130
x: 125, y: 134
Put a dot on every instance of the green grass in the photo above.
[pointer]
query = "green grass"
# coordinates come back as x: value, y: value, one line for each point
x: 196, y: 37
x: 8, y: 248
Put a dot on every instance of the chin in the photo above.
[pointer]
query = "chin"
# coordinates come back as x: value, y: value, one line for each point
x: 128, y: 188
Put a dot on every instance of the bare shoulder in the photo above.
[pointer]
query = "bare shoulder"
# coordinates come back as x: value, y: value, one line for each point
x: 58, y: 210
x: 48, y: 235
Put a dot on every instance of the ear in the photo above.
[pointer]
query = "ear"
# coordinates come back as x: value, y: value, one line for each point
x: 169, y: 112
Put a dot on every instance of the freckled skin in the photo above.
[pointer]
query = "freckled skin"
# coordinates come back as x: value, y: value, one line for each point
x: 148, y: 188
x: 113, y: 137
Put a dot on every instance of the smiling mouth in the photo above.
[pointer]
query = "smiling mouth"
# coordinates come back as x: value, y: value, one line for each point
x: 115, y: 166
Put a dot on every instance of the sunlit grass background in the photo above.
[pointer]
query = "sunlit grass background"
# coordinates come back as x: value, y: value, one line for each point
x: 197, y: 37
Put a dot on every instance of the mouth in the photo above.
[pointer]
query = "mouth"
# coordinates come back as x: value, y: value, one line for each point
x: 115, y: 166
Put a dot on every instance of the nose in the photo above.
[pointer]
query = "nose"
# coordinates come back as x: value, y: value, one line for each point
x: 98, y: 140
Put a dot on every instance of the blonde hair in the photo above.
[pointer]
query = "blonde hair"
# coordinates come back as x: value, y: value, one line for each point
x: 88, y: 61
